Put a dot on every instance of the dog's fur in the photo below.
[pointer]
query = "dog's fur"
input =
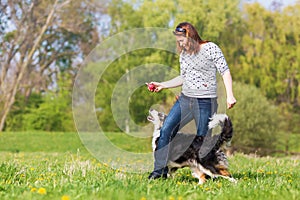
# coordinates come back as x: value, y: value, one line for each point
x: 185, y: 149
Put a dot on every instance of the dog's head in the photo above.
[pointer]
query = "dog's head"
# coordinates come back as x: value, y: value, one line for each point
x: 157, y: 118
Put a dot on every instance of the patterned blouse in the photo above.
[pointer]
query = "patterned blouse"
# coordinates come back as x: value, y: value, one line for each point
x: 199, y: 71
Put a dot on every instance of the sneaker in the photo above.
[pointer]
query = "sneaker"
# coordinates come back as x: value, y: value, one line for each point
x: 155, y: 175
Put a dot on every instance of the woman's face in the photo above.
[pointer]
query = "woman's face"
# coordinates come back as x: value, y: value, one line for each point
x: 182, y: 41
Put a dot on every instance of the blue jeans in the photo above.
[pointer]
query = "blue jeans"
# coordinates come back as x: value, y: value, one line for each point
x: 183, y: 111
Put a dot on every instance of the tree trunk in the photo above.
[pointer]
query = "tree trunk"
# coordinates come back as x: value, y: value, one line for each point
x: 11, y: 96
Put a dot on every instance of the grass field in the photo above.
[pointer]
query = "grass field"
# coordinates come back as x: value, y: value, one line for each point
x: 40, y: 165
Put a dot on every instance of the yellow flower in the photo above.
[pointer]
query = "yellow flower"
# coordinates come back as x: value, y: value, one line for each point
x: 260, y: 171
x: 171, y: 198
x: 33, y: 189
x: 42, y: 191
x: 65, y: 197
x: 143, y: 198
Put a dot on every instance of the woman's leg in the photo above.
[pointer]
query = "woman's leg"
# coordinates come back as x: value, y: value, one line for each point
x: 204, y: 111
x: 179, y: 115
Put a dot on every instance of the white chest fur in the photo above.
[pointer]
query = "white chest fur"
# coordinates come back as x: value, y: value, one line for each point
x: 156, y: 134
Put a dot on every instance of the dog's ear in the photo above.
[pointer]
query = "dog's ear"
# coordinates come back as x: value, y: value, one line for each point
x: 165, y: 116
x: 162, y: 116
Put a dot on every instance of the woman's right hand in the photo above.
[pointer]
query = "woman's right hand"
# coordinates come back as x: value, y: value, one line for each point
x: 157, y: 86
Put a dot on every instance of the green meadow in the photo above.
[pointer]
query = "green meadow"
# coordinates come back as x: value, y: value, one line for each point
x: 56, y: 166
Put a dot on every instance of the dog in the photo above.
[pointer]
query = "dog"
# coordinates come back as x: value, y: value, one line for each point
x: 185, y: 150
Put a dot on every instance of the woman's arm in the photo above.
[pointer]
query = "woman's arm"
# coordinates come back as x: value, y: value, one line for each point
x: 175, y: 82
x: 228, y: 86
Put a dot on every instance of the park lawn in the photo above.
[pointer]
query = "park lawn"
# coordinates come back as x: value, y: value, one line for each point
x: 64, y: 142
x: 41, y: 165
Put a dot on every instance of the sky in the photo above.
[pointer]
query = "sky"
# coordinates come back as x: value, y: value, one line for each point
x: 267, y: 3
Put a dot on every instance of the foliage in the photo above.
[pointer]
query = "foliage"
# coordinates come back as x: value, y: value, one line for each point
x: 265, y: 57
x: 50, y: 111
x: 54, y: 114
x: 209, y: 17
x: 38, y: 42
x: 16, y: 119
x: 256, y: 121
x: 141, y: 99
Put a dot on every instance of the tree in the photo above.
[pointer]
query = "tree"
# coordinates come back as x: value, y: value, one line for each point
x: 40, y: 41
x: 270, y: 52
x: 54, y: 112
x: 209, y: 17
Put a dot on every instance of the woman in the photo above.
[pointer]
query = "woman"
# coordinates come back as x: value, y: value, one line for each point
x: 199, y: 62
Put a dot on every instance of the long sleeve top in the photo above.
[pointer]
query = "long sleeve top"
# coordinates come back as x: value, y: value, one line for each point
x: 198, y: 71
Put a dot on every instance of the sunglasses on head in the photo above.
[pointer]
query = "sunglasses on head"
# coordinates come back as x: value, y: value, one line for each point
x: 179, y: 30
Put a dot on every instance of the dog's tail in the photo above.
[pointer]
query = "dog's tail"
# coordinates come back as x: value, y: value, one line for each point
x: 227, y: 130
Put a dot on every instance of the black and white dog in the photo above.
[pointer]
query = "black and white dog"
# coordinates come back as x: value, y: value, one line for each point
x: 186, y: 150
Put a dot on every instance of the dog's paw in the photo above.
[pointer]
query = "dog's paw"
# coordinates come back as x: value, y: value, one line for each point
x: 201, y: 181
x: 194, y: 174
x: 232, y: 180
x: 170, y: 175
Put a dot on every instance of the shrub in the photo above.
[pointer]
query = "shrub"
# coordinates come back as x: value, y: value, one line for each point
x: 255, y: 120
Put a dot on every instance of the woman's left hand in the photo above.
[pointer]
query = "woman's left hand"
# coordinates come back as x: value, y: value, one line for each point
x: 231, y: 102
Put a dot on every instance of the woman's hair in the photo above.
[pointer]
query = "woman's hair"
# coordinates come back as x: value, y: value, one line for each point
x: 194, y: 40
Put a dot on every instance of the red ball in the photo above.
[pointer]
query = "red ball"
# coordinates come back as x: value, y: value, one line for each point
x: 151, y: 87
